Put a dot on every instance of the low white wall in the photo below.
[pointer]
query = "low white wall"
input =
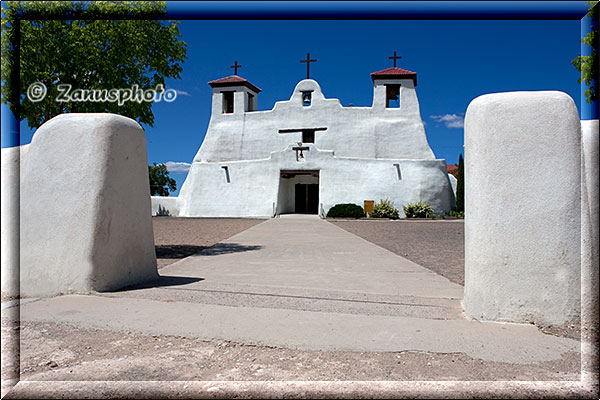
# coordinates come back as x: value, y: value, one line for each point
x: 589, y: 222
x: 166, y: 204
x: 522, y: 229
x: 453, y: 183
x: 85, y: 207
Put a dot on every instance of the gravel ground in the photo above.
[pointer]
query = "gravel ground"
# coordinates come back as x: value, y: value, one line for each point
x: 177, y: 238
x: 435, y: 244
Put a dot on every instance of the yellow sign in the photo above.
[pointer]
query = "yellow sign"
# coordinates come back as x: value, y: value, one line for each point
x: 369, y: 206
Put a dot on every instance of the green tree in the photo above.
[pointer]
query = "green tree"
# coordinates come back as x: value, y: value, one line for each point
x: 460, y: 185
x: 160, y: 182
x: 88, y: 45
x: 588, y: 65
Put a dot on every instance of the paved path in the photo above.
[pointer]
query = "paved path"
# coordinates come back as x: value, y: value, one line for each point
x: 304, y: 283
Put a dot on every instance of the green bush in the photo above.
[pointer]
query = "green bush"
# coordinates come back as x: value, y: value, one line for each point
x: 457, y: 214
x: 385, y: 209
x: 419, y: 209
x: 346, y: 211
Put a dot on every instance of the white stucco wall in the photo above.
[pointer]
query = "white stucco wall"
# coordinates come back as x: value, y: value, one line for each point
x: 522, y: 230
x: 589, y: 221
x: 358, y: 132
x: 85, y: 207
x: 355, y: 155
x: 253, y: 188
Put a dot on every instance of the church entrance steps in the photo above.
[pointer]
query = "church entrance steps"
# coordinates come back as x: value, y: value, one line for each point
x: 303, y: 283
x: 299, y: 216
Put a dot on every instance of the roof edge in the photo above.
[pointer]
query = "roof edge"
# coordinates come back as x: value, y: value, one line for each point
x: 238, y: 82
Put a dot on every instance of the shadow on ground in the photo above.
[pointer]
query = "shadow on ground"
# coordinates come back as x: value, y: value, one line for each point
x: 177, y: 250
x: 227, y: 248
x: 162, y: 281
x: 182, y: 251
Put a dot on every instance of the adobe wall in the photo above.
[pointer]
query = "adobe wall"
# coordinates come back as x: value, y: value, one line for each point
x: 85, y: 206
x: 253, y: 186
x: 356, y: 132
x: 523, y: 227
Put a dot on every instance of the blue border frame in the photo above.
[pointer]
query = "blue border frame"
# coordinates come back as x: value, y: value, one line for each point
x: 376, y: 10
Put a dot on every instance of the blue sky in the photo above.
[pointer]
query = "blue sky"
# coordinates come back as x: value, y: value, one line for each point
x: 455, y: 61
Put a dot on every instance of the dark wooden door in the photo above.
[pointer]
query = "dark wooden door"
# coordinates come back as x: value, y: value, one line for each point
x: 307, y: 198
x: 300, y: 198
x: 312, y: 199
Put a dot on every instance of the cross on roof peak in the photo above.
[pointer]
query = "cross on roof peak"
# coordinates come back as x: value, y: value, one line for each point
x: 308, y: 61
x: 395, y: 57
x: 235, y: 66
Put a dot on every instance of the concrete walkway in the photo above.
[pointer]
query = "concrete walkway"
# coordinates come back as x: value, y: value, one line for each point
x: 301, y: 282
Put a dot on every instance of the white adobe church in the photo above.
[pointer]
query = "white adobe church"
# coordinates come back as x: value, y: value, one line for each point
x: 309, y: 153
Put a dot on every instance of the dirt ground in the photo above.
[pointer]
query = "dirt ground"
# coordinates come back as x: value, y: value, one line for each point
x: 63, y: 352
x: 435, y: 244
x: 60, y: 352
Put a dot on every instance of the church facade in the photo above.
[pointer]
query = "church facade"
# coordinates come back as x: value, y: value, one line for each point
x: 309, y: 153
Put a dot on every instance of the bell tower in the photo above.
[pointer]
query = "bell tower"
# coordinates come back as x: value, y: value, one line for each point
x: 394, y: 88
x: 233, y: 94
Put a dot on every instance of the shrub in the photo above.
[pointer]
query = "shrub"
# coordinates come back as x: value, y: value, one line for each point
x: 346, y: 210
x: 162, y: 212
x: 385, y: 209
x: 419, y: 209
x: 457, y: 214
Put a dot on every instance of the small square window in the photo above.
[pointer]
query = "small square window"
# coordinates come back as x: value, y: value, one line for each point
x: 308, y: 136
x: 306, y: 98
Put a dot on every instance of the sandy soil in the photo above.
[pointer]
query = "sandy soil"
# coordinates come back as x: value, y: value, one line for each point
x: 63, y: 352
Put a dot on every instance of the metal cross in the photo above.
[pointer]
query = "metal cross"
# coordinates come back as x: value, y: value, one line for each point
x: 299, y: 152
x: 235, y: 66
x: 395, y: 57
x: 307, y: 61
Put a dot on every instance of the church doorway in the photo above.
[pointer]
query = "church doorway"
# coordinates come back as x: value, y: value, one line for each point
x: 298, y: 192
x: 307, y: 198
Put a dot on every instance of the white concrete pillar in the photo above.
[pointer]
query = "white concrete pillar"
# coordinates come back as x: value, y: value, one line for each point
x: 9, y: 220
x: 589, y: 222
x: 86, y: 219
x: 522, y: 208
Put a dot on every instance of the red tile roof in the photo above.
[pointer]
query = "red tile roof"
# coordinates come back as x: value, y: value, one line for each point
x: 233, y: 80
x: 451, y: 167
x: 394, y: 72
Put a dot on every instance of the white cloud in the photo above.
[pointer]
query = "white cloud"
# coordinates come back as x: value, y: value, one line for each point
x: 178, y: 166
x: 182, y: 92
x: 450, y: 120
